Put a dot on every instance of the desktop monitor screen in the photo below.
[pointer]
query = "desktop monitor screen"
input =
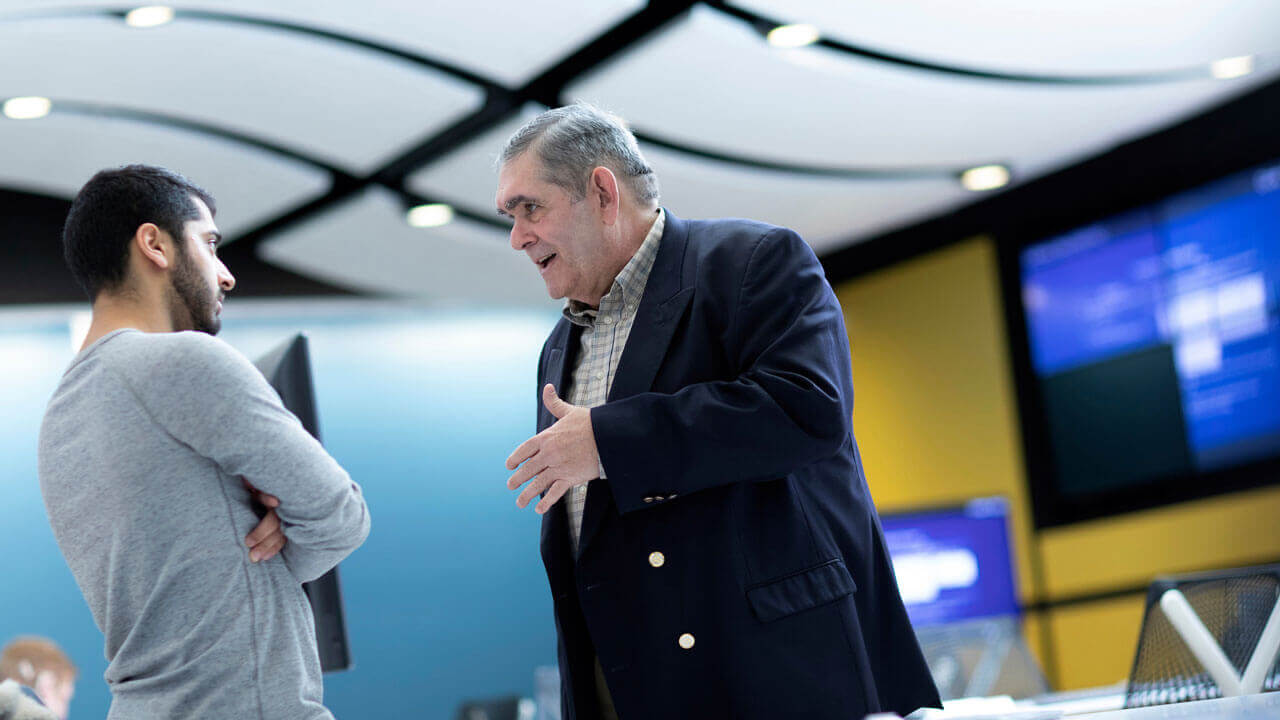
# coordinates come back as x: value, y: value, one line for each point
x: 288, y: 368
x: 1154, y: 348
x: 953, y: 564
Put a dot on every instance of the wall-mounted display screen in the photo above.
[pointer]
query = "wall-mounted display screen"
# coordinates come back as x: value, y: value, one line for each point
x: 1154, y: 347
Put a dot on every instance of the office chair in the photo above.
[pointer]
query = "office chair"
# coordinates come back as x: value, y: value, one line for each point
x: 1208, y: 635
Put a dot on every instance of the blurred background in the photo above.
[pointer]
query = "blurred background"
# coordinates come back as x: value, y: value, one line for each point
x: 1054, y: 229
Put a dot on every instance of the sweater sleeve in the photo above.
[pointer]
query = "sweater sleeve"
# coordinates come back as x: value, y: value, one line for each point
x: 211, y: 398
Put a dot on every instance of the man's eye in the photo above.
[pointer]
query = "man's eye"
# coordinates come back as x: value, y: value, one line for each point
x: 530, y: 207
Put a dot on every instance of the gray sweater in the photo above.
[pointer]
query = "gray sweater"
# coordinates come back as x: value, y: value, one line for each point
x: 141, y: 453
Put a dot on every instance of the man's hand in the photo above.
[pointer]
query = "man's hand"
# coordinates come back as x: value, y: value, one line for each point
x: 557, y: 458
x: 267, y: 538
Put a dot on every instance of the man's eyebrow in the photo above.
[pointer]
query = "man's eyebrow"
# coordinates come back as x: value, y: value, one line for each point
x: 517, y: 200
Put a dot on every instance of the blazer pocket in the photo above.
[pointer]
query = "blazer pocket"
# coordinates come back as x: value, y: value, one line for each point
x: 806, y: 589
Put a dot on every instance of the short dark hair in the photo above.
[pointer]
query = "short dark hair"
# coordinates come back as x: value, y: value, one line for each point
x: 108, y: 211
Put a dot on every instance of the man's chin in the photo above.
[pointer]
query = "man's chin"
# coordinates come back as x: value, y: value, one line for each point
x: 212, y: 327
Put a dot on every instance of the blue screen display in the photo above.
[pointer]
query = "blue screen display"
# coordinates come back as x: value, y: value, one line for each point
x: 1197, y: 274
x: 955, y: 564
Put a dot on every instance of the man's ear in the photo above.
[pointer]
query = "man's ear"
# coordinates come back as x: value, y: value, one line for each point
x: 154, y: 246
x: 603, y: 191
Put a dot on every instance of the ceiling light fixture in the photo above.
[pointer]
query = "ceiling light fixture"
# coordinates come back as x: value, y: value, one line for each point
x: 27, y: 108
x: 793, y: 36
x: 1233, y: 67
x: 149, y: 16
x: 431, y: 215
x: 985, y: 177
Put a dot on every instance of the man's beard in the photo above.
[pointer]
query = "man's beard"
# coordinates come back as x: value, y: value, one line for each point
x: 191, y: 304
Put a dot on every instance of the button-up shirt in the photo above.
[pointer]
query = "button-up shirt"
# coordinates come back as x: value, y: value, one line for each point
x: 604, y: 335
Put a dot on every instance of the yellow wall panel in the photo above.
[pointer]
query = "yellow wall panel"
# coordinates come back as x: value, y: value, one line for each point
x: 1095, y: 642
x: 934, y: 409
x: 1128, y: 550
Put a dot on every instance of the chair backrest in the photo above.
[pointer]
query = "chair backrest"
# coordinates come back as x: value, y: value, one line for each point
x: 980, y: 658
x: 1176, y: 660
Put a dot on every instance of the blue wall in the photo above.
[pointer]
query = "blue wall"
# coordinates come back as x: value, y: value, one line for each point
x: 447, y: 599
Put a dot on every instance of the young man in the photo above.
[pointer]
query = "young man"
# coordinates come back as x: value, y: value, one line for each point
x: 708, y: 534
x: 154, y: 446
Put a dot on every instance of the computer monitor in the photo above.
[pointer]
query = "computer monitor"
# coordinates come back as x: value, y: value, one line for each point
x: 954, y: 563
x: 955, y: 572
x: 288, y: 368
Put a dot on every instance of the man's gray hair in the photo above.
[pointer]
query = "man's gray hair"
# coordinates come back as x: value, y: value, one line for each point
x: 573, y: 140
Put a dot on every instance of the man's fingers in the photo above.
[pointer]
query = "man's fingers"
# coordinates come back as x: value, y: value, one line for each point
x: 270, y: 501
x: 269, y: 524
x: 554, y: 493
x: 539, y: 484
x: 525, y: 473
x: 527, y: 449
x: 268, y: 548
x: 553, y: 402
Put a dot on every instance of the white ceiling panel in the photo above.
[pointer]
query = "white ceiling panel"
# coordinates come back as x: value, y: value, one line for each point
x: 468, y: 176
x: 57, y: 154
x: 365, y: 244
x: 821, y: 107
x: 347, y: 106
x: 825, y: 211
x: 1058, y: 37
x: 505, y: 40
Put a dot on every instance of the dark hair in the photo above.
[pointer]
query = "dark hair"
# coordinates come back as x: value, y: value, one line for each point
x: 107, y: 212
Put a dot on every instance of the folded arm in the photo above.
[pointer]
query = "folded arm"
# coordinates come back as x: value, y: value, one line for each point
x: 211, y: 398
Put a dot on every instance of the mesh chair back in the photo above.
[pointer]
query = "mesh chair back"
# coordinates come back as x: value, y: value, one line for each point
x: 1234, y: 606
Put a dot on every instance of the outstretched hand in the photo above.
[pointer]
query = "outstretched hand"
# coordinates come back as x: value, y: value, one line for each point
x: 558, y: 458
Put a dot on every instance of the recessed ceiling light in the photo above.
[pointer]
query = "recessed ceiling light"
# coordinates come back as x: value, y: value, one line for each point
x: 793, y: 36
x: 27, y: 108
x: 432, y: 215
x: 1228, y: 68
x: 149, y: 16
x: 985, y: 177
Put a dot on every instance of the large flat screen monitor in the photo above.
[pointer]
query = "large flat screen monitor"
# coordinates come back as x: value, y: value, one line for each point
x: 1154, y: 351
x: 953, y: 564
x: 288, y: 368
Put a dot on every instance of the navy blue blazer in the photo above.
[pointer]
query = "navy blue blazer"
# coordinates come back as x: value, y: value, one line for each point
x: 728, y: 447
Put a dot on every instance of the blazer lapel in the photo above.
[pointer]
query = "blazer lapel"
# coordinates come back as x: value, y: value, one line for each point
x: 556, y: 554
x: 664, y: 301
x: 663, y: 304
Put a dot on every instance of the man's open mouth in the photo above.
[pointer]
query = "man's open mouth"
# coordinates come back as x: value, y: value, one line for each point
x: 544, y: 262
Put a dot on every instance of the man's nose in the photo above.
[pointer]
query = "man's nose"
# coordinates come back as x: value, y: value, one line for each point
x: 226, y: 280
x: 519, y: 238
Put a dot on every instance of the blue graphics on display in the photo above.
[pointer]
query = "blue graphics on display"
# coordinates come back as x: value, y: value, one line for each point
x: 1173, y: 305
x: 953, y: 564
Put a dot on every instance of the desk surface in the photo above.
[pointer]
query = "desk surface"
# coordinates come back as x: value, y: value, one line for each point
x: 1248, y: 707
x: 1104, y: 706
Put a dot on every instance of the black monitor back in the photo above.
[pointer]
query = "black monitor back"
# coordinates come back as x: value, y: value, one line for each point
x: 288, y: 368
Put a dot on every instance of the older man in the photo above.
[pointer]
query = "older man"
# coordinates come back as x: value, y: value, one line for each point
x: 708, y: 535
